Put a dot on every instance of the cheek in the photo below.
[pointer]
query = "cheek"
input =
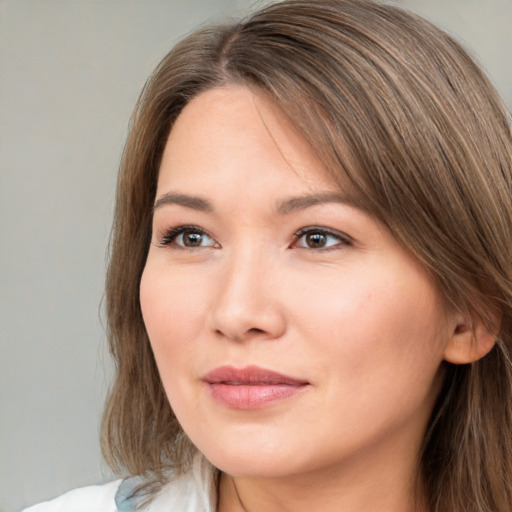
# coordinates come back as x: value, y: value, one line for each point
x: 384, y: 332
x: 172, y: 307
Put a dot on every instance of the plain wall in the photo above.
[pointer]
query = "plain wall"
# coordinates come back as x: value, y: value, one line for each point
x: 70, y: 72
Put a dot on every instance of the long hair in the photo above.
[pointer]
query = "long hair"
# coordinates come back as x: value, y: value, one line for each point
x: 398, y: 112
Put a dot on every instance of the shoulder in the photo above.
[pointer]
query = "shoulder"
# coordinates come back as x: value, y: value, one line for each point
x: 96, y: 498
x: 193, y: 491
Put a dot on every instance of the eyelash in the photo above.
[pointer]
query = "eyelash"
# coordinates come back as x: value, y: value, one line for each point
x: 342, y: 239
x: 169, y: 237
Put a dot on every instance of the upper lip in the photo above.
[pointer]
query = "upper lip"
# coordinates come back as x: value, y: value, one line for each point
x: 250, y: 375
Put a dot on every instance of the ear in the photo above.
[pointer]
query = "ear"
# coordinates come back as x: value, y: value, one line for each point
x: 472, y: 338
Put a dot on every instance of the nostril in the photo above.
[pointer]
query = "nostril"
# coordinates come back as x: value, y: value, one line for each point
x: 254, y: 331
x: 245, y: 320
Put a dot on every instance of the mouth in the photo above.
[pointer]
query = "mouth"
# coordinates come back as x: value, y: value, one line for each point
x: 251, y: 387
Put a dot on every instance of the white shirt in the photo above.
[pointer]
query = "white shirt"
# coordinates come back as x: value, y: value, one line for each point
x: 194, y: 491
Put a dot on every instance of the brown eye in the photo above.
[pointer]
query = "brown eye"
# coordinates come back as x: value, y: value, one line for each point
x: 315, y: 238
x: 192, y: 239
x: 188, y: 237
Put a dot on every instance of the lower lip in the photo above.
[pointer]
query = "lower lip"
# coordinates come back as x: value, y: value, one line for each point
x: 247, y: 396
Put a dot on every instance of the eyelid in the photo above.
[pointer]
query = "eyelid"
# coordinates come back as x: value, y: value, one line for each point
x: 344, y: 239
x: 168, y: 236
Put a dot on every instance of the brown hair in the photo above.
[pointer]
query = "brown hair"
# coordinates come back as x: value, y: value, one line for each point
x: 400, y: 113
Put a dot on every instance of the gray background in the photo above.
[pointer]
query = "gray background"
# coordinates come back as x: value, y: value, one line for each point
x: 70, y: 72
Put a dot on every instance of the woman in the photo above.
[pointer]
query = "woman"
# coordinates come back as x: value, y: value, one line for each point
x: 310, y: 287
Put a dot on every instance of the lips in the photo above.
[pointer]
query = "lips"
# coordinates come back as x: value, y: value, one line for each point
x: 251, y: 387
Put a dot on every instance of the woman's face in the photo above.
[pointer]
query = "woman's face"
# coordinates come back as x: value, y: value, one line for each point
x: 291, y: 331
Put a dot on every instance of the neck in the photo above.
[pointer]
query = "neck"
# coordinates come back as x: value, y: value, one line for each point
x: 377, y: 483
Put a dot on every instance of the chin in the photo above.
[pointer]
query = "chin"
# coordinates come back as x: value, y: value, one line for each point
x: 265, y: 459
x: 252, y: 466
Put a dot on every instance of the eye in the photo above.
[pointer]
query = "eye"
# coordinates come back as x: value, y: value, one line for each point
x: 319, y: 238
x: 188, y: 237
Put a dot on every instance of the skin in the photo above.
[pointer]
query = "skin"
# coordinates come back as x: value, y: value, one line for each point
x: 357, y: 318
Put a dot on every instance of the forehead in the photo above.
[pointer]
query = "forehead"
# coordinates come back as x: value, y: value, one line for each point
x: 236, y: 130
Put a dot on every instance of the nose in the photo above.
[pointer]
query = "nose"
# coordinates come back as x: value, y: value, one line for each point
x: 247, y: 306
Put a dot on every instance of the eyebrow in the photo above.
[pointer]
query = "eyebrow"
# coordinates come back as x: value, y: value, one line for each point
x: 285, y: 207
x: 196, y: 203
x: 302, y: 202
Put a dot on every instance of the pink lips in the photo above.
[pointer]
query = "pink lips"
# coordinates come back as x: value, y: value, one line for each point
x: 250, y: 387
